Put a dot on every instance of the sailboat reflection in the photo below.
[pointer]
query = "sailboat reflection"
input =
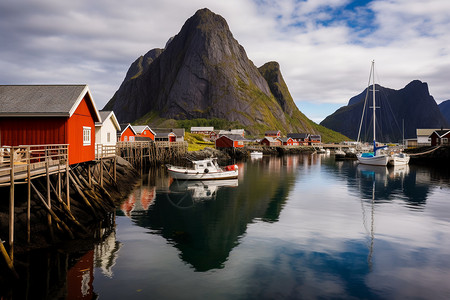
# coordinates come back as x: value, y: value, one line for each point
x: 201, y: 190
x: 373, y: 175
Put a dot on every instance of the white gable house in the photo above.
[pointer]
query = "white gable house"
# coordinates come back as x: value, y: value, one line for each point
x: 106, y: 130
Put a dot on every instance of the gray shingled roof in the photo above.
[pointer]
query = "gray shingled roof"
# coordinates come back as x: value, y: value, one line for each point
x: 39, y: 100
x: 104, y: 114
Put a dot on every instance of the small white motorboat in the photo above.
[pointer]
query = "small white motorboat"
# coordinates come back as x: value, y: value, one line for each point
x: 397, y: 159
x: 205, y: 169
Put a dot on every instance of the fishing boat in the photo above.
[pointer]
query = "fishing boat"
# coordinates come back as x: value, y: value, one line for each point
x: 397, y: 159
x: 205, y: 169
x: 373, y: 158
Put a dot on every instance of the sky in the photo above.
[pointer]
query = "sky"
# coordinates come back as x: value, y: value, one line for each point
x: 324, y: 47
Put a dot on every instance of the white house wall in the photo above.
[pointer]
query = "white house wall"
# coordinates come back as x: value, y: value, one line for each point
x: 102, y: 133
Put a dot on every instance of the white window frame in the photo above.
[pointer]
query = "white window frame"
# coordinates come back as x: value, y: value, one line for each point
x: 86, y: 136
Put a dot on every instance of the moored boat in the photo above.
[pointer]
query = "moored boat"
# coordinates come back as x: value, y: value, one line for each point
x: 373, y: 158
x: 205, y: 169
x: 397, y: 159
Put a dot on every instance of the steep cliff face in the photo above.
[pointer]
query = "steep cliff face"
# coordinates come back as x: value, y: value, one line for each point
x: 444, y: 107
x: 412, y: 106
x: 204, y: 73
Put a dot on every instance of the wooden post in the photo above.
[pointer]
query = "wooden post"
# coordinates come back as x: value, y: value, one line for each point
x: 101, y: 172
x: 67, y: 177
x: 49, y: 200
x: 28, y: 196
x: 89, y: 175
x: 59, y: 171
x: 115, y: 168
x: 11, y: 207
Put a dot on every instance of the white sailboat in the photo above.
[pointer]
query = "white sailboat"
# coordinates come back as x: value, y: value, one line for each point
x: 373, y: 158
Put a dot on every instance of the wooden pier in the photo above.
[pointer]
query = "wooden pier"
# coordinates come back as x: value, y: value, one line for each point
x: 138, y: 152
x: 20, y: 165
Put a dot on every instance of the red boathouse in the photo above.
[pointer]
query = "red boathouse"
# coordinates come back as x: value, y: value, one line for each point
x: 49, y: 114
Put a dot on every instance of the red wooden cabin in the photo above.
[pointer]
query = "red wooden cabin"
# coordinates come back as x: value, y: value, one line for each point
x: 144, y: 131
x: 440, y: 137
x: 128, y: 134
x: 230, y: 141
x: 270, y: 141
x: 49, y: 114
x: 273, y: 133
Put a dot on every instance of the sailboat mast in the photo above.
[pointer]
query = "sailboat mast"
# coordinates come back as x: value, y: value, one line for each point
x: 373, y: 95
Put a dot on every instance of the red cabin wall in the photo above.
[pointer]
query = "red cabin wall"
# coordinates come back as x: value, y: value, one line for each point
x: 146, y: 133
x: 33, y: 131
x: 224, y: 142
x: 127, y: 133
x: 82, y: 117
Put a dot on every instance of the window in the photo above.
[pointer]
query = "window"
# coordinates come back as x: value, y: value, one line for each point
x: 131, y: 138
x: 86, y: 136
x: 125, y: 138
x: 108, y: 137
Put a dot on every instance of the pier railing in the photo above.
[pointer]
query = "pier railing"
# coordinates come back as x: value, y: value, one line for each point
x: 105, y: 151
x: 24, y: 161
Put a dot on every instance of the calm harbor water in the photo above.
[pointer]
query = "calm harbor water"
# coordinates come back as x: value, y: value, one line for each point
x: 292, y: 227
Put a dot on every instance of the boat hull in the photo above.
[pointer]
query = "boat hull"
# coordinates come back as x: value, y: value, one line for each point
x: 181, y: 174
x: 379, y: 160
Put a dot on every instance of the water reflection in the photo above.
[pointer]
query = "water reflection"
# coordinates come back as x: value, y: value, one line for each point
x: 206, y: 231
x: 289, y: 227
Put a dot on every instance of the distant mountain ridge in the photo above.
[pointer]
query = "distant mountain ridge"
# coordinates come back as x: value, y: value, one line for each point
x: 203, y: 72
x: 412, y: 106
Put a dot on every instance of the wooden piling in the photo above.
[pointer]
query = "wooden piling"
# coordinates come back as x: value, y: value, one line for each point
x: 11, y: 207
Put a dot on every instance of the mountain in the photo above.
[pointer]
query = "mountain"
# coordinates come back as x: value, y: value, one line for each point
x: 412, y: 106
x: 204, y: 73
x: 444, y: 107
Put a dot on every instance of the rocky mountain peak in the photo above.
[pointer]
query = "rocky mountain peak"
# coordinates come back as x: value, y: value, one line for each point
x: 203, y: 72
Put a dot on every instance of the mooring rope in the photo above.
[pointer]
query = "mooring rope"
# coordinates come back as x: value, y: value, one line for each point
x: 426, y: 152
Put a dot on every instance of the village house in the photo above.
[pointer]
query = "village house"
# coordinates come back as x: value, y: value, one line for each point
x: 270, y: 141
x: 240, y: 132
x: 440, y: 137
x: 49, y: 114
x: 287, y: 141
x: 144, y: 131
x: 315, y: 139
x: 302, y: 139
x: 127, y: 134
x: 214, y: 135
x: 106, y: 129
x: 273, y: 133
x: 230, y: 141
x: 163, y: 134
x: 202, y: 130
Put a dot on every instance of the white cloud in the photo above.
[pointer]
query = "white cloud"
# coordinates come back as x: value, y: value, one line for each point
x: 323, y: 58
